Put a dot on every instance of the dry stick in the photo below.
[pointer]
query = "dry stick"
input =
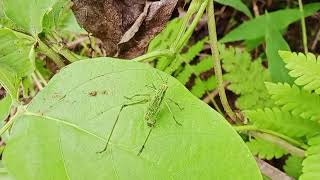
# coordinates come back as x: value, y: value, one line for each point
x: 214, y: 93
x: 272, y: 172
x: 37, y: 82
x: 44, y: 82
x: 304, y: 29
x: 216, y: 59
x: 315, y: 42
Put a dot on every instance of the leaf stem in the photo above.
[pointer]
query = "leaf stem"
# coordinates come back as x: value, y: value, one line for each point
x: 154, y: 54
x: 303, y: 26
x: 281, y: 143
x: 56, y: 58
x: 216, y: 59
x: 270, y: 132
x: 185, y: 38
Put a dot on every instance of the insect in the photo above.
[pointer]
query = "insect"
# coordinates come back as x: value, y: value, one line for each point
x: 155, y: 102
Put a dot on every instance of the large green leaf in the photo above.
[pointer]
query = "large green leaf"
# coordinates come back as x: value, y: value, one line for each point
x: 68, y: 122
x: 14, y: 60
x: 280, y: 19
x: 30, y: 14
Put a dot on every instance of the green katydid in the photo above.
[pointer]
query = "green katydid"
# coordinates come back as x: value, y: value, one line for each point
x: 155, y: 102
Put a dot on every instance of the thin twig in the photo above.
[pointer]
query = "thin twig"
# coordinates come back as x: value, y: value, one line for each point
x: 43, y: 81
x: 215, y: 92
x: 37, y: 82
x: 315, y: 41
x: 304, y: 29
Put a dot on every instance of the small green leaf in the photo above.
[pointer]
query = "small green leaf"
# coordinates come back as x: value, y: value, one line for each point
x: 65, y: 126
x: 5, y: 107
x: 256, y: 27
x: 274, y: 43
x: 14, y: 60
x: 29, y: 17
x: 238, y: 5
x: 305, y: 68
x: 265, y: 149
x: 311, y: 166
x: 293, y: 166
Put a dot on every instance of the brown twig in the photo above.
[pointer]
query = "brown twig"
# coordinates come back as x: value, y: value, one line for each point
x: 272, y: 172
x: 214, y: 93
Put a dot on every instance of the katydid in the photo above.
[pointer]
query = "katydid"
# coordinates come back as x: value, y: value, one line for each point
x: 155, y: 102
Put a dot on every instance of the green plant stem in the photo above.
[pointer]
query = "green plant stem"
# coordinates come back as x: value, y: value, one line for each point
x: 155, y: 54
x: 44, y: 82
x: 56, y: 58
x: 185, y: 38
x: 270, y: 132
x: 8, y: 124
x: 303, y: 26
x: 281, y: 143
x: 54, y: 40
x: 216, y: 59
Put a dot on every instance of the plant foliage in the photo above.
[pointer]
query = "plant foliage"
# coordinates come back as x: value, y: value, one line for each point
x: 246, y: 78
x: 264, y: 149
x: 311, y: 166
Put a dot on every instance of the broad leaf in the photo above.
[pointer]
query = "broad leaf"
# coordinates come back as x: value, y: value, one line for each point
x: 30, y: 14
x: 14, y: 60
x: 256, y: 28
x: 68, y: 122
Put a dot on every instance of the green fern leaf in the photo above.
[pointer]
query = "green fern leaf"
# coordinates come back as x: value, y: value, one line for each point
x: 299, y: 102
x: 293, y: 166
x: 246, y: 77
x: 306, y: 68
x: 311, y: 165
x: 264, y: 149
x: 283, y: 122
x: 202, y: 87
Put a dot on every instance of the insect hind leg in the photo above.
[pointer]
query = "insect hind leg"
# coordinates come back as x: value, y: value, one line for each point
x: 145, y: 142
x: 115, y: 123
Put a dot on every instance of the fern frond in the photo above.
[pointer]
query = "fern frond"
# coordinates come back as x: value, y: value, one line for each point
x: 201, y: 87
x: 299, y: 102
x: 306, y: 68
x: 311, y: 165
x: 247, y: 78
x: 293, y: 166
x: 283, y: 122
x: 264, y: 149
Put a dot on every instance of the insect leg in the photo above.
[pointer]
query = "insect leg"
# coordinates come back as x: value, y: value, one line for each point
x: 145, y: 141
x: 137, y: 95
x: 174, y: 118
x: 115, y: 123
x: 175, y: 103
x: 152, y: 86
